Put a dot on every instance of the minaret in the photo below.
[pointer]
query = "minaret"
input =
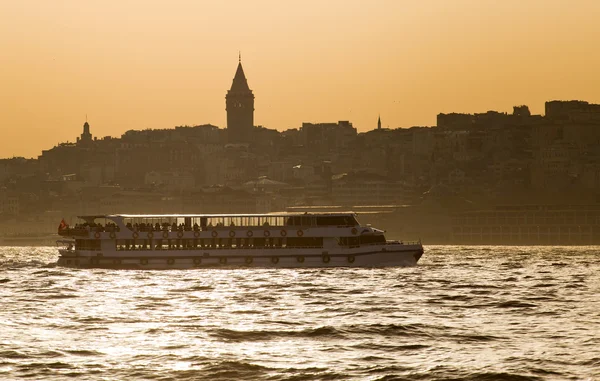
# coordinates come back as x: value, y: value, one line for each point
x: 379, y: 122
x: 239, y: 103
x: 86, y: 136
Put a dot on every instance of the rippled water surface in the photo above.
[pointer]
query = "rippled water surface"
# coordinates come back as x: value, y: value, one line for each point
x: 464, y: 313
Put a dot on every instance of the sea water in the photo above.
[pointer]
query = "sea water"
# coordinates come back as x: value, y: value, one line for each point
x: 463, y: 313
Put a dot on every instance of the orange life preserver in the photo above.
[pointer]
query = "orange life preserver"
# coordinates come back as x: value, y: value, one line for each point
x: 267, y: 233
x: 354, y: 231
x: 135, y: 235
x: 166, y: 235
x: 232, y: 233
x: 97, y: 235
x: 179, y: 234
x: 214, y: 233
x: 196, y: 234
x: 274, y: 260
x: 283, y: 232
x: 113, y: 235
x: 299, y: 233
x: 150, y: 235
x: 326, y: 258
x: 351, y: 259
x: 249, y: 233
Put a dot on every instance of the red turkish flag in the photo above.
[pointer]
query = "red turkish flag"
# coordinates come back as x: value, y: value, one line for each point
x: 63, y: 225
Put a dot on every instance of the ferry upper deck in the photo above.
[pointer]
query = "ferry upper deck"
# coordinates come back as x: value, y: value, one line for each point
x: 203, y: 222
x: 215, y: 220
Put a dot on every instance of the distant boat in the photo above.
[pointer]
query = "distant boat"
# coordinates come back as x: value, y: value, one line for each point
x: 235, y: 240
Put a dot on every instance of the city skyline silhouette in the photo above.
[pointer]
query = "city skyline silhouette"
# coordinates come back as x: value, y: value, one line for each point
x: 139, y: 66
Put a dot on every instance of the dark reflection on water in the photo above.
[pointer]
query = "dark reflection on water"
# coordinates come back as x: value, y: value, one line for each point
x: 464, y: 313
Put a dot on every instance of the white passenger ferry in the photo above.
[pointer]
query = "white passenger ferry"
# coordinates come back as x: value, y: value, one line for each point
x: 249, y: 240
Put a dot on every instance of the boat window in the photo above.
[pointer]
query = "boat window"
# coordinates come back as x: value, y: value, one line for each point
x: 304, y: 242
x: 122, y: 244
x: 349, y: 241
x: 346, y: 220
x: 87, y: 244
x: 368, y: 239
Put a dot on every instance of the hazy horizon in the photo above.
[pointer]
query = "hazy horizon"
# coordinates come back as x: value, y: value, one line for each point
x: 136, y: 65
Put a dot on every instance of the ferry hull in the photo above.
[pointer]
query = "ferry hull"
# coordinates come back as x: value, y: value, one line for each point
x: 408, y: 256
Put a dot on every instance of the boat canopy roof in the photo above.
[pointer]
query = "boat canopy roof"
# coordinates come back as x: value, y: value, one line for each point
x: 283, y: 214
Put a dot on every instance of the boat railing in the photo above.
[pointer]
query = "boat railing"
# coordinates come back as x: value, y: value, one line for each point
x: 76, y: 231
x: 408, y: 243
x: 186, y: 228
x: 404, y: 242
x: 85, y: 229
x: 185, y: 248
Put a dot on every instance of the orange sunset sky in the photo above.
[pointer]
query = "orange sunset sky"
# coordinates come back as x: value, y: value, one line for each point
x: 132, y: 64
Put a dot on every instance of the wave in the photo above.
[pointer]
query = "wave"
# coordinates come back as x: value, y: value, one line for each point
x: 172, y: 347
x: 475, y: 285
x: 495, y: 376
x: 506, y: 304
x: 45, y: 365
x: 259, y: 335
x: 83, y: 352
x: 151, y: 306
x: 515, y: 304
x: 35, y: 263
x: 246, y: 312
x: 467, y: 338
x: 455, y: 297
x: 390, y: 347
x: 232, y: 370
x: 59, y: 296
x: 10, y: 354
x: 457, y: 375
x: 322, y: 332
x: 390, y: 329
x: 89, y: 319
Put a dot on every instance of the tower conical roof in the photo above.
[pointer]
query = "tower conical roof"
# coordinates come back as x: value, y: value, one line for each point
x: 240, y: 83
